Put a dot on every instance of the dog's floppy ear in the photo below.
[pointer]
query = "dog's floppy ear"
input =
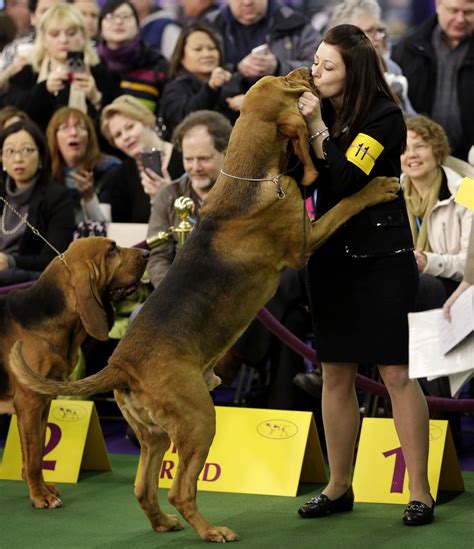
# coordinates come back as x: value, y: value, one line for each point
x: 293, y: 126
x: 86, y: 279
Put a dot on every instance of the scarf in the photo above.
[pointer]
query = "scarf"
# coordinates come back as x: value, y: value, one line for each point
x: 418, y: 207
x: 122, y: 59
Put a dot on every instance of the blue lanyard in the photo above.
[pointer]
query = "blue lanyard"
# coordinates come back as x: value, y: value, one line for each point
x: 418, y: 222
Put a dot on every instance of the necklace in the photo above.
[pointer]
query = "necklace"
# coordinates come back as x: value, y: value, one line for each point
x: 14, y: 229
x: 29, y: 225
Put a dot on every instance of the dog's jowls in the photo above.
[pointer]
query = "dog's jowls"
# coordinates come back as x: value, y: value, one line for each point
x: 51, y: 319
x: 227, y: 270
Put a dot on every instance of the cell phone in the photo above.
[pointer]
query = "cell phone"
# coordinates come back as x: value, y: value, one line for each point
x: 260, y: 50
x: 75, y: 62
x: 151, y: 159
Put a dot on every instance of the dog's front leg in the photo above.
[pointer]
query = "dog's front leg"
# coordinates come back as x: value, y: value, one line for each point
x: 380, y: 189
x: 32, y: 412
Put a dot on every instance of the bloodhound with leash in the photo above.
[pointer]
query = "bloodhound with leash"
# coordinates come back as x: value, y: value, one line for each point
x: 72, y: 298
x: 252, y: 227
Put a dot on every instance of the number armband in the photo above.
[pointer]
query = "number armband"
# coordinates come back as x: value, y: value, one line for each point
x: 364, y: 151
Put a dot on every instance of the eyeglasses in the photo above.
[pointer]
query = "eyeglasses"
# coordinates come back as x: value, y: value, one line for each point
x: 109, y: 17
x: 79, y: 128
x: 9, y: 152
x: 377, y: 31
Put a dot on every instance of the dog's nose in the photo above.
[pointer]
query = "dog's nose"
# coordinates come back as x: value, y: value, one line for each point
x: 145, y: 254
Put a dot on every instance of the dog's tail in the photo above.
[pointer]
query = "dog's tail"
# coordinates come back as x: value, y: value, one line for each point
x: 106, y: 380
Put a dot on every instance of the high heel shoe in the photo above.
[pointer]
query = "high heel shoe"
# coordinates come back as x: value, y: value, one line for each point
x: 321, y: 506
x: 418, y: 513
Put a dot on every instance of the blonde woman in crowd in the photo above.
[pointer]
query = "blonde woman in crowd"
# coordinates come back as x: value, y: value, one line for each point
x: 129, y: 126
x: 50, y: 81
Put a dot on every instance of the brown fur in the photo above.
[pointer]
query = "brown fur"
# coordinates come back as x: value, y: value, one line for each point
x: 51, y: 320
x: 228, y: 269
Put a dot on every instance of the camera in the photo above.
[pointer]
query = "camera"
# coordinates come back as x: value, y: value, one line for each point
x: 75, y: 62
x: 151, y: 159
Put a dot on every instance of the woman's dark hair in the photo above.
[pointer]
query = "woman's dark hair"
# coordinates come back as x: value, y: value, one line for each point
x: 178, y: 52
x: 364, y: 77
x: 40, y: 142
x: 111, y: 5
x: 11, y: 111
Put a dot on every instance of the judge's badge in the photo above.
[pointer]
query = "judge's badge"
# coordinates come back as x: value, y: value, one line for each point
x: 363, y: 152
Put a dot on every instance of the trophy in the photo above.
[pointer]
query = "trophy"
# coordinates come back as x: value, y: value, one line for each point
x: 184, y: 208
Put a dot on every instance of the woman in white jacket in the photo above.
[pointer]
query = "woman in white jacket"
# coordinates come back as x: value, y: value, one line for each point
x: 440, y: 227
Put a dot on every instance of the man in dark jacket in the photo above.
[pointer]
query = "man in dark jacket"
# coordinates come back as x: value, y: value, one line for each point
x: 438, y: 61
x: 261, y: 37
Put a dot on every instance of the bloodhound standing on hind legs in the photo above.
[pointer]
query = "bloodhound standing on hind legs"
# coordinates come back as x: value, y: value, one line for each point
x: 51, y: 319
x: 253, y: 225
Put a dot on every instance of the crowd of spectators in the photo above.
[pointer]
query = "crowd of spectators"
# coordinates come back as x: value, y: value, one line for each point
x: 86, y: 87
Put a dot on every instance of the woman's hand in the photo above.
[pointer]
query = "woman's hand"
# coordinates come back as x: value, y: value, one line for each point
x: 84, y: 184
x: 219, y: 77
x: 463, y: 286
x: 310, y: 107
x: 421, y: 259
x: 3, y: 262
x: 56, y: 80
x: 152, y: 182
x: 235, y: 102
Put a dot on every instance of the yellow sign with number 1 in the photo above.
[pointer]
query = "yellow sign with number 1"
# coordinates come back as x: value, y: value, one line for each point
x: 380, y: 474
x: 74, y: 441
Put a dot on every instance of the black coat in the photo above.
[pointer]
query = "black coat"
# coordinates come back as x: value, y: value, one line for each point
x: 51, y: 211
x: 379, y: 230
x: 186, y: 94
x: 25, y: 93
x: 416, y: 57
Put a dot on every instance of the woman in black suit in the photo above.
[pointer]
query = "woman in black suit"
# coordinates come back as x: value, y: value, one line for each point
x: 363, y: 281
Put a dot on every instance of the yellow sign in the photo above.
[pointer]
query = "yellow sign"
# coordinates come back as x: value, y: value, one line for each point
x: 364, y: 151
x: 465, y: 194
x: 380, y: 474
x: 257, y: 452
x: 74, y: 441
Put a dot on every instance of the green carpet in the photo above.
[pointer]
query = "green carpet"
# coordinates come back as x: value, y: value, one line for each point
x: 101, y: 511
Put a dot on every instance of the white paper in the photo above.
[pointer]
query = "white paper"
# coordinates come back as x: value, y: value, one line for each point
x: 456, y: 381
x: 425, y: 356
x: 462, y: 321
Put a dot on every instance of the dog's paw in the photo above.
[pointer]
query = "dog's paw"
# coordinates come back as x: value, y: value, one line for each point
x: 46, y: 501
x: 168, y: 523
x: 221, y: 534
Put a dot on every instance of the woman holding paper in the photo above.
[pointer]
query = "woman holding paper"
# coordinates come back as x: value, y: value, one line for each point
x: 440, y: 227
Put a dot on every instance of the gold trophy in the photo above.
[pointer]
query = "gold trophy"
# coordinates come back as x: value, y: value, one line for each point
x: 184, y: 208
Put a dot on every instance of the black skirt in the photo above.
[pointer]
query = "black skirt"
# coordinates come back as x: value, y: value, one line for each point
x: 360, y: 307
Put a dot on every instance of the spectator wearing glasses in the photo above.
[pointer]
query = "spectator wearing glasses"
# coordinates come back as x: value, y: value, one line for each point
x: 78, y: 163
x: 25, y: 182
x: 438, y: 61
x: 141, y: 67
x: 366, y: 14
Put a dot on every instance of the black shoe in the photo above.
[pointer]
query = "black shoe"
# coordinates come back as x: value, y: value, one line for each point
x: 310, y: 382
x: 321, y: 506
x: 418, y: 513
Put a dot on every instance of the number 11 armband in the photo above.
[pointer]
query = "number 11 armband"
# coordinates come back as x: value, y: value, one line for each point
x: 363, y: 152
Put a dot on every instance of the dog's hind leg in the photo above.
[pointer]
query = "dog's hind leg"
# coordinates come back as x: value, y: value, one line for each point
x: 153, y: 447
x: 32, y: 412
x: 192, y: 434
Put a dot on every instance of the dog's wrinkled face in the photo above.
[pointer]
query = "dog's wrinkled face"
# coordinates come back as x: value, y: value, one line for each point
x: 101, y: 270
x: 273, y: 100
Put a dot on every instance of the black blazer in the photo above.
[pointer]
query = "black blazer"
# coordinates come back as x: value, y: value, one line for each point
x: 51, y: 211
x: 25, y: 93
x: 382, y: 229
